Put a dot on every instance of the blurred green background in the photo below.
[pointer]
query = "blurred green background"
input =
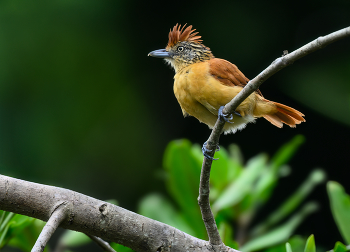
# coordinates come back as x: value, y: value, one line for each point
x: 83, y: 107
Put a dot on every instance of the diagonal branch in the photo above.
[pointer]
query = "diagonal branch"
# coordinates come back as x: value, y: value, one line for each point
x: 230, y: 107
x: 103, y: 244
x: 58, y: 215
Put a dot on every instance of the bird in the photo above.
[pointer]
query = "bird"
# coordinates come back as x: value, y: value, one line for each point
x: 203, y: 84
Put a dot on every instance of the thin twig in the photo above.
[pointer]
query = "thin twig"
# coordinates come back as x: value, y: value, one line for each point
x: 58, y: 215
x: 230, y: 107
x: 103, y: 244
x: 204, y: 204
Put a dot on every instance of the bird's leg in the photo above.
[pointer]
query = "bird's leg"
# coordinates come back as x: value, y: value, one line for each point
x: 206, y: 151
x: 226, y: 117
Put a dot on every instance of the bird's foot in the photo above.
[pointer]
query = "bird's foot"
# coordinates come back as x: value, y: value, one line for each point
x: 226, y: 117
x: 206, y: 151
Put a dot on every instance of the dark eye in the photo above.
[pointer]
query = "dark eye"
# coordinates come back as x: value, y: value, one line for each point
x: 180, y: 48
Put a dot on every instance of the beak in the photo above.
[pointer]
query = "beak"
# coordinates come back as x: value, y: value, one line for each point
x: 161, y: 53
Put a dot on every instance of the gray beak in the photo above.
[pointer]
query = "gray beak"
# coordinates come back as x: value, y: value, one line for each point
x: 161, y: 53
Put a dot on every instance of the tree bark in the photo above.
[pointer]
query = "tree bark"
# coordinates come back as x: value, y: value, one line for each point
x: 97, y: 218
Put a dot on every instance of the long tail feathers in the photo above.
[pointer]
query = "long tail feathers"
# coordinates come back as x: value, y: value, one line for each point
x: 286, y: 115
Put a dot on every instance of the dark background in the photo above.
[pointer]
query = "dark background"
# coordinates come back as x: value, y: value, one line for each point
x: 83, y: 107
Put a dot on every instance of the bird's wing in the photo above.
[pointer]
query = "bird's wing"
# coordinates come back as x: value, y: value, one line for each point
x: 227, y: 73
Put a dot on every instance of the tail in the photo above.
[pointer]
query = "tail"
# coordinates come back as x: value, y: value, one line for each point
x: 286, y: 115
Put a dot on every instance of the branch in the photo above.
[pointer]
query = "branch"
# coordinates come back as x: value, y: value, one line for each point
x: 230, y: 107
x: 109, y: 222
x: 103, y: 244
x: 97, y: 218
x: 204, y: 204
x: 58, y: 215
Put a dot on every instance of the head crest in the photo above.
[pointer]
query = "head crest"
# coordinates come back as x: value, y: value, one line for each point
x: 179, y: 34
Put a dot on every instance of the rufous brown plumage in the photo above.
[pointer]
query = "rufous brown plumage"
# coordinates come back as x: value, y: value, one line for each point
x: 204, y: 83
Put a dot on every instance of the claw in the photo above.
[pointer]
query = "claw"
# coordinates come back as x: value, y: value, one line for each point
x: 227, y: 118
x: 205, y: 151
x: 237, y: 114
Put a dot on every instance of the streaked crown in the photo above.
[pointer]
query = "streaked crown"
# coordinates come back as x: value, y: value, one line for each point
x: 185, y: 47
x: 178, y: 34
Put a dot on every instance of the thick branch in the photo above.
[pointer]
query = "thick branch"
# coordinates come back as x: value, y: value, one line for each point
x: 230, y: 107
x: 55, y: 220
x: 97, y: 218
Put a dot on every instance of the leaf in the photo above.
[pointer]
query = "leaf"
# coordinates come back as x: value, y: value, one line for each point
x: 297, y: 243
x: 238, y: 189
x: 277, y: 248
x: 340, y: 206
x: 236, y: 154
x: 265, y: 184
x: 158, y: 208
x: 120, y: 248
x: 317, y: 176
x: 183, y: 166
x: 25, y: 238
x: 310, y: 244
x: 73, y: 239
x: 4, y: 233
x: 219, y: 171
x: 339, y: 247
x: 279, y: 234
x: 284, y: 154
x: 288, y: 247
x: 16, y: 224
x: 226, y: 233
x: 6, y: 219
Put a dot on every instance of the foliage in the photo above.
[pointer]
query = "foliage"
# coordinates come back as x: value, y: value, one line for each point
x: 340, y: 206
x: 19, y: 231
x: 238, y: 192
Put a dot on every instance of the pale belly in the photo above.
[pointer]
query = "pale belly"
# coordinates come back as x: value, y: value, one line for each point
x: 201, y: 98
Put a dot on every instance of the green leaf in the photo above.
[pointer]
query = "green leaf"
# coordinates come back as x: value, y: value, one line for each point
x: 73, y: 239
x: 25, y: 238
x: 120, y: 248
x: 113, y: 201
x: 310, y: 244
x: 6, y: 220
x: 281, y: 233
x: 2, y: 217
x: 340, y: 206
x: 284, y: 154
x: 277, y: 248
x: 288, y: 247
x: 297, y: 243
x: 236, y: 154
x: 340, y: 247
x: 15, y: 225
x: 184, y: 167
x: 219, y: 170
x: 265, y: 184
x: 235, y: 163
x: 317, y: 176
x: 4, y: 233
x: 226, y: 233
x: 158, y: 208
x: 238, y: 189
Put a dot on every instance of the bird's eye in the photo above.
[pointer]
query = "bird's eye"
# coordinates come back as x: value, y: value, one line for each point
x: 180, y: 48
